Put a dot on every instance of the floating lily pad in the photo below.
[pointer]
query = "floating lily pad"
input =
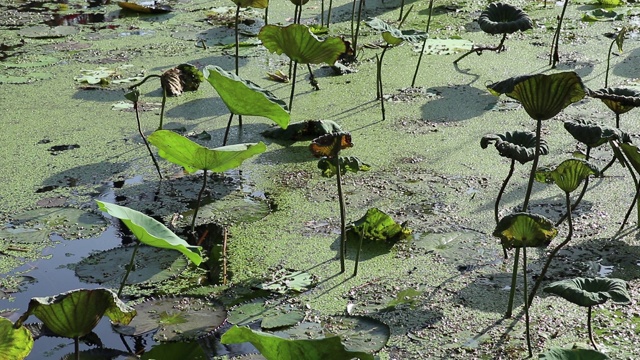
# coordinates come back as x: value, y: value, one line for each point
x: 44, y: 31
x: 176, y: 318
x: 24, y: 79
x: 269, y: 317
x: 31, y: 62
x: 151, y: 265
x: 285, y: 281
x: 601, y: 15
x: 444, y: 46
x: 101, y: 354
x: 145, y: 8
x: 455, y: 245
x: 358, y: 333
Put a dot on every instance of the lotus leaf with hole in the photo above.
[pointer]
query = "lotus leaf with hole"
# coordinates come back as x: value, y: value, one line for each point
x: 516, y: 145
x: 299, y: 44
x: 150, y: 231
x: 273, y: 347
x: 15, y: 343
x: 378, y: 226
x: 556, y: 353
x: 75, y: 313
x: 501, y: 18
x: 542, y: 96
x: 619, y: 99
x: 347, y: 163
x: 525, y: 230
x: 329, y: 145
x: 592, y: 134
x: 243, y: 97
x: 569, y: 174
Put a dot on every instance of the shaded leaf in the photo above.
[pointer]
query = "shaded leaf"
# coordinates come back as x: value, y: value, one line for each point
x: 407, y: 296
x: 393, y: 35
x: 193, y: 157
x: 75, y: 313
x: 632, y: 154
x: 243, y: 97
x: 501, y: 18
x: 592, y: 134
x: 279, y: 318
x: 525, y: 230
x: 46, y: 32
x: 305, y: 130
x: 150, y: 231
x: 591, y: 291
x: 516, y: 145
x: 144, y: 9
x: 350, y: 164
x: 330, y: 145
x: 620, y: 99
x: 15, y: 343
x: 184, y: 77
x: 299, y: 44
x: 379, y: 226
x: 569, y: 174
x: 621, y: 34
x: 556, y: 353
x: 358, y: 333
x: 276, y: 348
x: 176, y: 350
x: 601, y: 15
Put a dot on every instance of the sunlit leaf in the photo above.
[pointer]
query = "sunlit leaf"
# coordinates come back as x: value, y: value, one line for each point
x: 15, y: 343
x: 601, y: 15
x: 516, y: 145
x: 358, y: 333
x: 299, y: 44
x: 287, y: 281
x: 257, y: 4
x: 501, y: 18
x: 569, y: 174
x: 75, y: 313
x: 525, y: 230
x: 591, y: 291
x: 556, y: 353
x: 408, y: 296
x: 193, y: 157
x: 393, y: 35
x: 379, y: 226
x: 150, y: 231
x: 330, y: 145
x: 144, y: 9
x: 347, y: 164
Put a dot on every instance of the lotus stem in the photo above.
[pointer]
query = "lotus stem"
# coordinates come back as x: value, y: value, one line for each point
x: 582, y: 192
x: 266, y: 15
x: 355, y: 39
x: 554, y: 57
x: 618, y: 121
x: 226, y: 133
x: 353, y: 15
x: 401, y: 10
x: 635, y: 198
x: 514, y: 281
x: 76, y: 343
x: 555, y: 250
x: 606, y: 73
x: 312, y: 79
x: 526, y: 305
x: 355, y: 269
x: 322, y: 13
x: 146, y: 143
x: 479, y: 50
x: 343, y: 216
x: 144, y: 80
x: 329, y: 13
x: 402, y: 19
x: 129, y: 267
x: 195, y: 212
x: 379, y: 77
x: 424, y: 45
x: 237, y: 39
x: 293, y: 85
x: 164, y: 102
x: 589, y: 328
x: 500, y: 193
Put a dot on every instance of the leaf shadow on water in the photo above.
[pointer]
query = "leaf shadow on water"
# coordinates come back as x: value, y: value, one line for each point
x: 290, y: 154
x: 90, y: 174
x: 627, y: 68
x: 100, y: 95
x: 446, y: 106
x: 196, y: 109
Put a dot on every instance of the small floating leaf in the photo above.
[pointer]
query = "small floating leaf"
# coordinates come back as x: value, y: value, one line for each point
x: 379, y: 226
x: 289, y: 280
x: 601, y: 15
x: 525, y: 230
x: 394, y: 36
x: 591, y: 291
x: 15, y: 343
x: 144, y: 9
x: 305, y: 130
x: 299, y: 44
x: 347, y: 164
x: 44, y: 31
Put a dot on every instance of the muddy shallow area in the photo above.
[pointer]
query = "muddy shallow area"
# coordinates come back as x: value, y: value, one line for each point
x: 69, y: 137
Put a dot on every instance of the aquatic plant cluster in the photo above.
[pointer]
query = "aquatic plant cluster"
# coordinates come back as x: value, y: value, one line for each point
x: 269, y: 313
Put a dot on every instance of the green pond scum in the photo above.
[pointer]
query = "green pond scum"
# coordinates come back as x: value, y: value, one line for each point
x: 268, y: 233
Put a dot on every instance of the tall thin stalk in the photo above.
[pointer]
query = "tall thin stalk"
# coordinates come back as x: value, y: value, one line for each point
x: 554, y: 57
x: 590, y: 329
x: 526, y: 305
x: 424, y: 45
x: 129, y: 267
x: 146, y: 143
x: 343, y: 215
x: 195, y: 211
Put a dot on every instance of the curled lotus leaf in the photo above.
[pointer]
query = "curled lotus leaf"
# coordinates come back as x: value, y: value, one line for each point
x: 347, y: 164
x: 330, y: 145
x: 522, y: 229
x: 394, y: 36
x: 542, y: 96
x: 592, y: 134
x: 569, y: 174
x: 501, y: 18
x: 516, y: 145
x: 299, y: 44
x: 184, y: 77
x: 257, y: 4
x: 632, y: 154
x: 619, y: 99
x: 591, y: 291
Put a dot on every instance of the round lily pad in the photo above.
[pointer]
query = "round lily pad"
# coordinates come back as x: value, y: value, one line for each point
x: 24, y: 79
x: 44, y: 31
x: 151, y: 265
x: 271, y: 317
x: 176, y: 319
x: 359, y: 333
x: 31, y: 62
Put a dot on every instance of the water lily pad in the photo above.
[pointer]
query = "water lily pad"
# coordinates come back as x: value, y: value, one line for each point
x: 358, y: 333
x: 601, y: 15
x: 24, y: 79
x: 44, y: 31
x: 31, y: 62
x: 100, y: 354
x: 176, y: 318
x: 556, y: 353
x: 145, y: 8
x: 151, y: 265
x: 285, y: 281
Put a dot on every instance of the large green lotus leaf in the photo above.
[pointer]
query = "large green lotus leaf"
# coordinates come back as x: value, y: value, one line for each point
x: 150, y: 231
x: 15, y: 343
x: 273, y: 347
x: 243, y: 97
x: 542, y: 96
x: 359, y: 333
x: 75, y: 313
x: 591, y: 291
x: 569, y: 174
x: 556, y: 353
x: 193, y: 157
x: 100, y: 354
x: 256, y: 4
x: 299, y: 44
x: 175, y: 318
x: 519, y: 230
x: 379, y: 226
x: 501, y: 18
x: 348, y: 163
x: 592, y: 134
x: 516, y: 145
x: 176, y: 350
x: 394, y: 36
x: 619, y: 99
x: 305, y: 130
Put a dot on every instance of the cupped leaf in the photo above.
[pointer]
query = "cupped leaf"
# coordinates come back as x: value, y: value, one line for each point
x: 569, y: 174
x: 394, y: 36
x: 257, y: 4
x: 542, y: 96
x: 305, y: 130
x: 377, y: 225
x: 75, y: 313
x: 516, y: 145
x: 243, y: 97
x: 15, y: 343
x: 193, y: 157
x: 184, y: 77
x: 556, y: 353
x: 349, y: 163
x: 299, y: 44
x: 620, y: 99
x: 592, y: 134
x: 330, y: 145
x: 520, y: 230
x: 150, y: 231
x: 591, y: 291
x: 501, y: 18
x: 273, y: 347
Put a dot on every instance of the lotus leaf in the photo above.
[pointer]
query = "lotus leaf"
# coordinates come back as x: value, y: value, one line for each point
x: 257, y: 4
x: 193, y: 157
x: 601, y: 15
x: 379, y: 226
x: 176, y: 350
x: 144, y: 9
x: 394, y: 36
x: 620, y: 99
x: 501, y: 18
x: 525, y: 230
x: 542, y: 96
x: 273, y: 347
x: 289, y: 280
x: 305, y: 130
x: 75, y: 313
x: 150, y: 231
x: 591, y: 291
x: 556, y: 353
x: 632, y: 153
x: 621, y: 34
x: 349, y: 163
x: 592, y: 134
x: 359, y: 333
x: 609, y: 2
x: 330, y: 145
x: 15, y: 343
x: 516, y: 145
x: 184, y: 77
x: 299, y: 44
x: 569, y: 174
x: 243, y: 97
